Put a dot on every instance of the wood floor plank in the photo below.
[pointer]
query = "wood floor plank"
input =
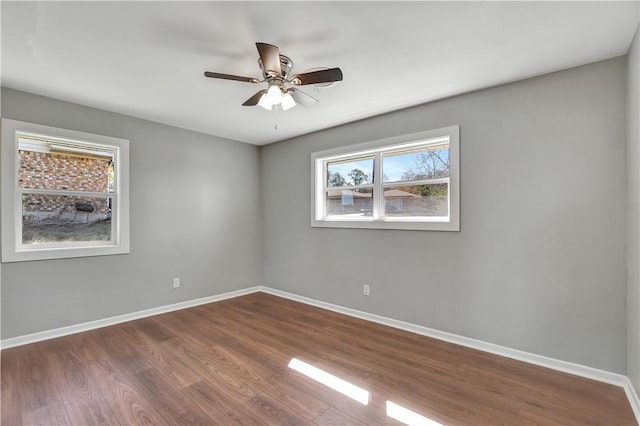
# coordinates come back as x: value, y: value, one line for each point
x: 214, y: 370
x: 334, y: 416
x: 37, y: 389
x: 48, y: 415
x: 273, y: 411
x: 127, y: 403
x: 156, y: 357
x: 10, y: 384
x: 172, y: 405
x: 78, y: 390
x: 225, y: 408
x: 227, y: 363
x: 269, y: 381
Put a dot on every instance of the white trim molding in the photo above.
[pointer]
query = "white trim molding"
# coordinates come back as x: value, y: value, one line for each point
x: 92, y: 325
x: 632, y: 396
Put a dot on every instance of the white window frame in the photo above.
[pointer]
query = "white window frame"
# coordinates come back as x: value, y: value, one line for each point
x: 11, y: 195
x: 376, y: 149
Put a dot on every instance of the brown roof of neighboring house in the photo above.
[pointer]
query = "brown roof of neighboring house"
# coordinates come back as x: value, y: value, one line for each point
x: 389, y: 193
x: 338, y: 193
x: 396, y: 193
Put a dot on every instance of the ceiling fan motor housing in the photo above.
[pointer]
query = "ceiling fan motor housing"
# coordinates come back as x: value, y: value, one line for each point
x: 286, y: 65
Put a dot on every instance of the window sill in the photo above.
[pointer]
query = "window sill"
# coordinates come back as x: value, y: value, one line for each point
x: 391, y: 224
x: 63, y: 253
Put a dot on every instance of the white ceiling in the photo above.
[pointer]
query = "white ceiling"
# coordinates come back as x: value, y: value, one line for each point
x: 146, y: 59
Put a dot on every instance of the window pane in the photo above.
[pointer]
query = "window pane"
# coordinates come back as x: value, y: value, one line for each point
x: 418, y: 164
x: 416, y: 200
x: 58, y: 218
x: 350, y: 172
x: 47, y: 168
x: 349, y: 203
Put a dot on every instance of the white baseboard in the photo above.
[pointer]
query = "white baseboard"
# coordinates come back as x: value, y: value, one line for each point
x: 552, y: 363
x: 632, y: 396
x: 555, y: 364
x: 92, y: 325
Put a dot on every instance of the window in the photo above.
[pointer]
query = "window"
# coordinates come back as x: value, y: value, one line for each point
x: 64, y: 193
x: 407, y: 182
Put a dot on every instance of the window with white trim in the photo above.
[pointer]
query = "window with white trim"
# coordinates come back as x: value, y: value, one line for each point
x: 64, y: 193
x: 407, y: 182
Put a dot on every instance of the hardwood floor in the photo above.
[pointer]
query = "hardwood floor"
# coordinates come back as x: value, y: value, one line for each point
x: 227, y: 363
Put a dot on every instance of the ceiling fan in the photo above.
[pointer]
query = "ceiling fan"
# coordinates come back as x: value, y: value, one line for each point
x: 276, y: 70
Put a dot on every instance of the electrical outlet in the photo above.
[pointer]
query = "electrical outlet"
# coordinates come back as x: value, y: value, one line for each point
x: 365, y: 289
x: 176, y: 282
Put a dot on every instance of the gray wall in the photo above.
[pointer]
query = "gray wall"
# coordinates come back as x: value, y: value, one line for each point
x: 539, y: 264
x: 633, y: 212
x: 194, y: 215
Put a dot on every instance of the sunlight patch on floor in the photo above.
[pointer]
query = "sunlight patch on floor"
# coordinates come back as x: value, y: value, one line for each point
x: 407, y: 416
x: 335, y: 383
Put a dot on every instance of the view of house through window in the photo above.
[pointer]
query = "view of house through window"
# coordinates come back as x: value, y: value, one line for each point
x: 63, y: 193
x: 408, y: 181
x: 67, y: 191
x: 350, y: 187
x: 416, y: 182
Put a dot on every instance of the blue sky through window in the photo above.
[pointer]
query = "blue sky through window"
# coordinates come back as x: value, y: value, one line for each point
x: 394, y: 166
x: 344, y: 168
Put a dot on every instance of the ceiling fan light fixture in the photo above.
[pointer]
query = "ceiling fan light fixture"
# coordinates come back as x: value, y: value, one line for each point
x: 276, y: 69
x: 287, y: 102
x: 264, y: 102
x: 274, y: 94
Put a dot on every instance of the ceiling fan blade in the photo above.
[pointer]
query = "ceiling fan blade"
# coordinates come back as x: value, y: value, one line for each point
x: 254, y: 99
x: 315, y: 77
x: 270, y: 57
x: 302, y: 98
x: 230, y: 77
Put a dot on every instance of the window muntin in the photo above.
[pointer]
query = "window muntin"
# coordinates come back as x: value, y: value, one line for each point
x: 64, y: 193
x: 409, y: 182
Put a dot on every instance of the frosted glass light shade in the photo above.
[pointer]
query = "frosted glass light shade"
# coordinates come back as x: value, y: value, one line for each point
x: 264, y: 102
x: 287, y: 102
x: 274, y: 95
